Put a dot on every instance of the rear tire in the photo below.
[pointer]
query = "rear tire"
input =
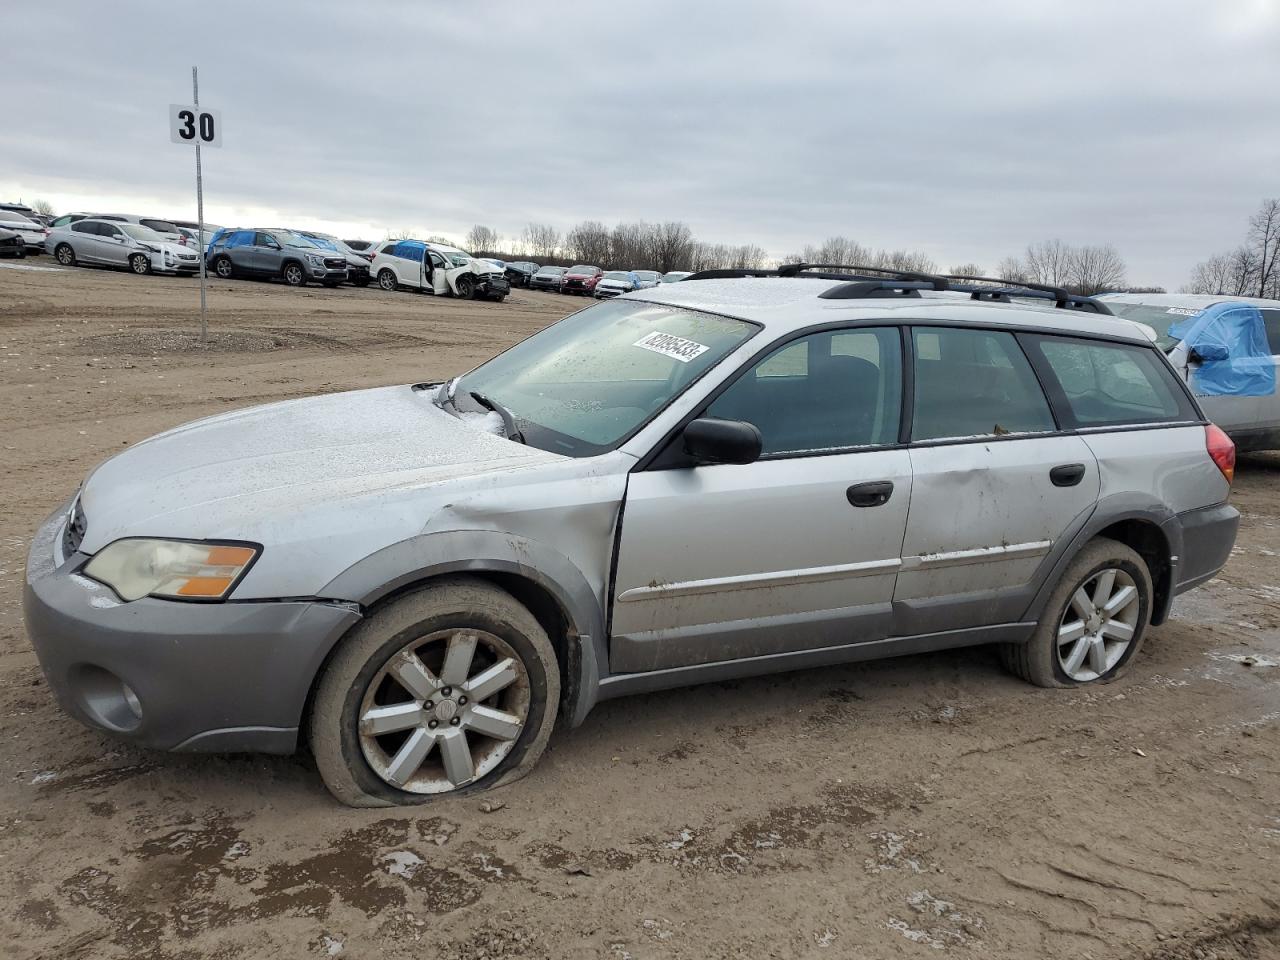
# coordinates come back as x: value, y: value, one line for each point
x: 1065, y: 650
x: 387, y: 280
x: 64, y: 255
x: 224, y: 268
x: 356, y: 683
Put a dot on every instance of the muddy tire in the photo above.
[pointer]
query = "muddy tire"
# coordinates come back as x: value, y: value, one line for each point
x: 65, y: 255
x: 1094, y: 623
x: 447, y: 690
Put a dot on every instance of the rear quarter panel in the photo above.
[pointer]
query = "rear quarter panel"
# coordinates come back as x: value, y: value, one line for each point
x: 1171, y: 464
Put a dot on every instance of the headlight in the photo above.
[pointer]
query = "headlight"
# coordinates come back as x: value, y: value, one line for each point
x: 314, y: 260
x: 138, y: 568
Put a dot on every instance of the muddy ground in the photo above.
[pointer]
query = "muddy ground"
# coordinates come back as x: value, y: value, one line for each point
x: 925, y: 806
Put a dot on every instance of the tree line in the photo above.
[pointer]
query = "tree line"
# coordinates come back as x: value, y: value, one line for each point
x: 1250, y: 270
x: 671, y: 245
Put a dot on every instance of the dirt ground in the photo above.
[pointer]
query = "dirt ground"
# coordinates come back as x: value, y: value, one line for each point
x: 919, y: 807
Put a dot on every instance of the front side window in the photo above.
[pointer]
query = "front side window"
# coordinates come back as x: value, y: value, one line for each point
x: 974, y: 383
x: 1113, y: 383
x: 827, y: 391
x: 581, y: 386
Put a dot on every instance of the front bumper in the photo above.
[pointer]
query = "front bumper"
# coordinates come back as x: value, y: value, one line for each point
x: 494, y: 286
x: 203, y: 676
x: 326, y: 274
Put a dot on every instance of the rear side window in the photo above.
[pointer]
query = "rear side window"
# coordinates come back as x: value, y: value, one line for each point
x: 1271, y: 318
x: 1107, y: 384
x: 974, y: 383
x: 827, y: 391
x: 241, y: 238
x: 81, y: 226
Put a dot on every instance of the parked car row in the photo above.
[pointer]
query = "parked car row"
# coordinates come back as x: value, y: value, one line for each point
x: 585, y: 279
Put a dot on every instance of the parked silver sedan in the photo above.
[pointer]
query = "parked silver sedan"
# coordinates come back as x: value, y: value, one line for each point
x: 120, y: 244
x: 707, y: 480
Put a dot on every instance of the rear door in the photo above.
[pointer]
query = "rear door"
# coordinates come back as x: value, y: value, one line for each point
x: 994, y: 483
x: 84, y: 241
x: 798, y: 550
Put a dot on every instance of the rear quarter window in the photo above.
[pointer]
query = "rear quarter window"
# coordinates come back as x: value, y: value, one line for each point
x: 1111, y: 384
x: 1271, y: 319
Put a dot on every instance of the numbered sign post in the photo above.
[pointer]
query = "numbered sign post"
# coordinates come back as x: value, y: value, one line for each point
x: 189, y: 124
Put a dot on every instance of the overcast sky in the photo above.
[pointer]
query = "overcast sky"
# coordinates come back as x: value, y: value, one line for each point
x: 964, y: 130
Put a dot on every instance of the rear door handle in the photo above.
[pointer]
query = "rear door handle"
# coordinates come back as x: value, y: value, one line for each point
x: 1067, y: 474
x: 873, y: 494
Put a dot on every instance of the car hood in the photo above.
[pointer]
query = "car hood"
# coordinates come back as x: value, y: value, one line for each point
x: 237, y: 474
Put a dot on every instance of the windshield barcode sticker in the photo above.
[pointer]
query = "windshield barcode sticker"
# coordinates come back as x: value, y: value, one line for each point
x: 669, y: 345
x: 1183, y: 311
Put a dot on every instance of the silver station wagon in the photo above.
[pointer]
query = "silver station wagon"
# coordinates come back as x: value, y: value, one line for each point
x: 727, y: 476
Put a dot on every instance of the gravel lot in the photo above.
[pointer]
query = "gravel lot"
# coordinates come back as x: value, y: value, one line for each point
x: 924, y: 806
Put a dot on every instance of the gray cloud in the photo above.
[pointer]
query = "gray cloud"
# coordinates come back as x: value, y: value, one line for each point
x: 963, y: 130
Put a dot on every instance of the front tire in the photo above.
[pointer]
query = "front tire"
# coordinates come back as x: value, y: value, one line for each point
x: 65, y: 255
x: 294, y: 275
x: 140, y: 264
x: 450, y: 689
x: 1094, y: 623
x: 466, y: 287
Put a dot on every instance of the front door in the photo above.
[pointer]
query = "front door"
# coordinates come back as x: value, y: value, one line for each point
x: 798, y: 550
x: 993, y: 485
x: 112, y: 247
x: 265, y: 255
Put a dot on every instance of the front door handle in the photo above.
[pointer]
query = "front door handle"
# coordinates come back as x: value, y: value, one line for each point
x: 873, y: 494
x: 1067, y: 474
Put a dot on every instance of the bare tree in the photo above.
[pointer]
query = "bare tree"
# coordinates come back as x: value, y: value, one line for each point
x: 541, y: 241
x: 1011, y: 268
x: 1095, y: 269
x: 588, y: 242
x: 482, y: 239
x: 1264, y: 237
x: 42, y: 207
x: 672, y: 246
x: 966, y: 270
x: 1049, y: 261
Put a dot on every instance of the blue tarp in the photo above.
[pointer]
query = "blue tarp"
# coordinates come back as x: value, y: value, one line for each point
x: 1248, y: 370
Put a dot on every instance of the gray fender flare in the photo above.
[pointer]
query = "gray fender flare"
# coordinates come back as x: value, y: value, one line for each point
x: 1107, y: 511
x: 485, y: 551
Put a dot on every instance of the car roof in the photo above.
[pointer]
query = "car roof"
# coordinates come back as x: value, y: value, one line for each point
x: 782, y: 304
x: 1200, y: 300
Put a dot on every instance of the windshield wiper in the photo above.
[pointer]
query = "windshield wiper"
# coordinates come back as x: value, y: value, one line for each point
x: 508, y: 421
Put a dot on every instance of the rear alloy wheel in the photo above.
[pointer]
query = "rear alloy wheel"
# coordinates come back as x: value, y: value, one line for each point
x: 387, y: 279
x: 447, y: 689
x: 140, y: 264
x: 1094, y: 622
x: 65, y: 255
x: 294, y: 276
x: 466, y: 287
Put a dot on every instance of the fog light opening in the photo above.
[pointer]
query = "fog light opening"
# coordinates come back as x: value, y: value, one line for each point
x: 109, y: 701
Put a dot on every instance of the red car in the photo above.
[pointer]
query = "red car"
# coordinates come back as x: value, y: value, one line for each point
x: 581, y: 279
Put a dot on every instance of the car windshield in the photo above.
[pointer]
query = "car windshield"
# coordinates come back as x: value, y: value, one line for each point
x: 646, y: 274
x: 293, y: 239
x: 324, y: 242
x: 617, y: 275
x: 674, y: 276
x: 139, y: 232
x: 583, y: 385
x: 552, y: 270
x: 582, y: 268
x: 457, y: 259
x: 1159, y: 318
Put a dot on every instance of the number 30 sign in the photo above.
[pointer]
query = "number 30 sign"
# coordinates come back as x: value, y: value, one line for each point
x: 188, y: 124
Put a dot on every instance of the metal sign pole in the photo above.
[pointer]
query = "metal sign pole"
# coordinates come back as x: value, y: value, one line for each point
x: 204, y: 323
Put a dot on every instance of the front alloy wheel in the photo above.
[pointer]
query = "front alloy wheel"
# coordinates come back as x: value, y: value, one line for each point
x: 294, y: 276
x: 450, y: 688
x: 443, y: 711
x: 140, y: 264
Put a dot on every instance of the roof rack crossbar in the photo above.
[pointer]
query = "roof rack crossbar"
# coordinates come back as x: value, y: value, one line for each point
x: 1063, y: 299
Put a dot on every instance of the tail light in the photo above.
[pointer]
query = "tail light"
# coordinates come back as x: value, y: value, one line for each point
x: 1221, y: 450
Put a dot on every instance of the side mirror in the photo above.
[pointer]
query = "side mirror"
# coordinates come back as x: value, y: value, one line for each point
x: 712, y: 440
x: 1208, y: 353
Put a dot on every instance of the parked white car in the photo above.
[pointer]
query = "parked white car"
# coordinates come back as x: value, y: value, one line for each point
x: 1226, y: 348
x: 434, y: 267
x: 32, y: 233
x: 115, y: 244
x: 647, y: 279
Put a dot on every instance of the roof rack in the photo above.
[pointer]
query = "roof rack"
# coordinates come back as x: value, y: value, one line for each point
x: 861, y: 283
